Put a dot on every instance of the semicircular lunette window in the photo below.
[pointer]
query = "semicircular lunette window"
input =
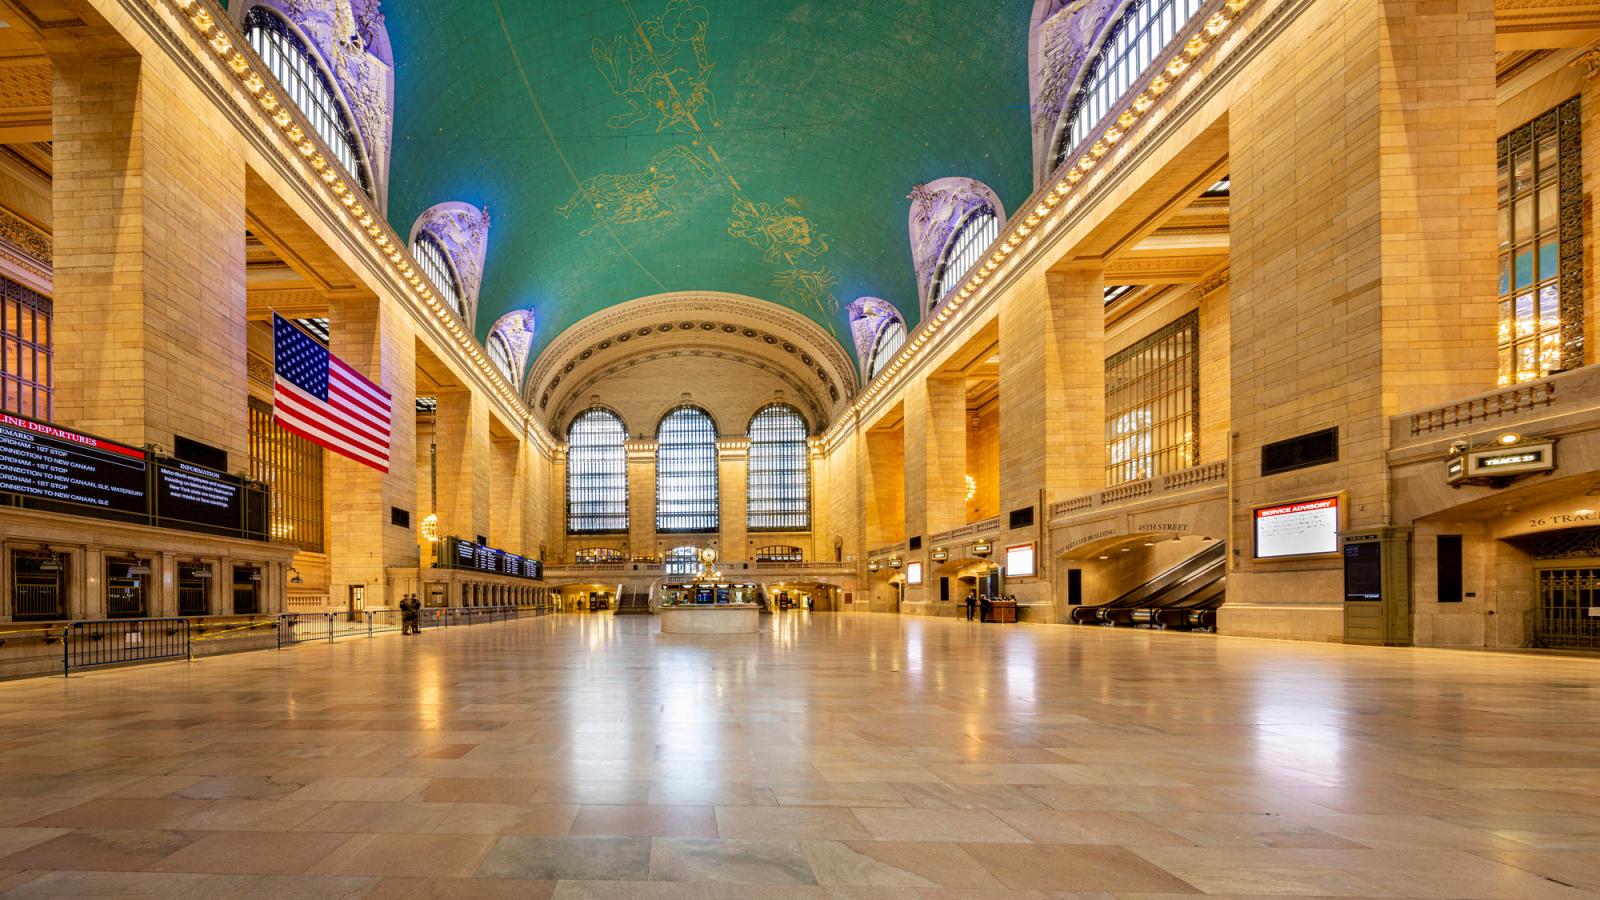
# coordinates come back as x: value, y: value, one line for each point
x: 597, y: 474
x: 435, y: 263
x: 780, y: 471
x: 686, y: 471
x: 307, y: 85
x: 1145, y: 29
x: 500, y: 355
x: 966, y: 248
x: 888, y: 343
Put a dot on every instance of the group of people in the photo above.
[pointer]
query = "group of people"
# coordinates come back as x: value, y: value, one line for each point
x: 974, y: 602
x: 410, y: 615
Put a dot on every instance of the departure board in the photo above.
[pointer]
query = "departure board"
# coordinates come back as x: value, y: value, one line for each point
x: 60, y: 466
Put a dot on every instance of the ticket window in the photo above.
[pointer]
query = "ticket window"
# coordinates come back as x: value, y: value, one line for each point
x: 127, y: 587
x: 194, y: 588
x: 246, y: 590
x: 38, y: 585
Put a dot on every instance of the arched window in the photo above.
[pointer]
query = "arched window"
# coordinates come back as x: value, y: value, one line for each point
x: 889, y: 341
x: 965, y: 250
x: 686, y: 471
x: 597, y: 474
x: 500, y: 355
x: 780, y: 471
x: 306, y: 85
x: 683, y: 561
x: 435, y: 263
x: 1146, y: 28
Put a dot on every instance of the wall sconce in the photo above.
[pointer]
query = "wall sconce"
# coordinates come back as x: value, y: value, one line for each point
x: 294, y: 576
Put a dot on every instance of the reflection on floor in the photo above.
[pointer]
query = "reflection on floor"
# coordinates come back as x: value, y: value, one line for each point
x: 832, y: 756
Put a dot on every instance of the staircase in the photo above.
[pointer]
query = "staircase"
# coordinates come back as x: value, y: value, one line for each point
x: 633, y: 603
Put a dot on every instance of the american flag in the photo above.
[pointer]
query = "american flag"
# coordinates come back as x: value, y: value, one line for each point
x: 318, y: 397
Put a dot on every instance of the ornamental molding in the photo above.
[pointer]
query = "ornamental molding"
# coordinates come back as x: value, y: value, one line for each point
x: 463, y: 230
x: 353, y: 41
x: 623, y: 323
x: 1588, y: 63
x: 578, y: 397
x: 1063, y: 38
x: 938, y: 209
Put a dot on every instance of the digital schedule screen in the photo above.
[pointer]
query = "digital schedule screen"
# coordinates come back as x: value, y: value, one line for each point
x: 459, y: 554
x: 60, y: 466
x: 1305, y: 528
x: 191, y: 496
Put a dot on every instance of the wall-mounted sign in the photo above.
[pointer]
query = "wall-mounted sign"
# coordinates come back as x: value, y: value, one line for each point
x: 55, y: 465
x: 873, y: 565
x: 1501, y: 462
x: 1020, y: 562
x: 939, y: 554
x: 200, y: 499
x: 914, y: 573
x: 455, y: 553
x: 895, y: 562
x: 982, y: 548
x: 1304, y: 528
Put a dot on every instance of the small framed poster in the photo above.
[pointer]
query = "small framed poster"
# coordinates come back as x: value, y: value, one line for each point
x: 913, y: 573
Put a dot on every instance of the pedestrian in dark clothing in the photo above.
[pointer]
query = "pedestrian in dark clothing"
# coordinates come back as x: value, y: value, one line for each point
x: 411, y: 615
x: 972, y: 604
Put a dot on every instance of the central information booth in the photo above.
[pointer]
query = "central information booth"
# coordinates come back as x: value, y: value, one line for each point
x: 708, y: 605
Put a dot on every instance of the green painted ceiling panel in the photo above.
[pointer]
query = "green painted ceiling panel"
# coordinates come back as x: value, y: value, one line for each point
x: 759, y: 147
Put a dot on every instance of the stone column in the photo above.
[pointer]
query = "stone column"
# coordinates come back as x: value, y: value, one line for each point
x: 1363, y: 266
x: 883, y: 487
x: 641, y: 497
x: 507, y: 497
x: 465, y: 466
x: 733, y: 490
x: 945, y: 456
x: 376, y: 338
x: 1052, y: 411
x: 149, y: 285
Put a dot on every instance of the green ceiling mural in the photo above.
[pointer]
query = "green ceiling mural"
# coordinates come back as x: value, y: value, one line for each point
x: 762, y: 147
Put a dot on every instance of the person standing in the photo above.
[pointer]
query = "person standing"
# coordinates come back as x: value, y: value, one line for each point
x: 410, y: 615
x: 972, y: 604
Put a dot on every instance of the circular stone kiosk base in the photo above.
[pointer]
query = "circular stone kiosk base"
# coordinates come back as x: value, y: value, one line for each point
x: 726, y: 618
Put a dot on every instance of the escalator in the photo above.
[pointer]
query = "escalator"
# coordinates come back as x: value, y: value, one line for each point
x: 1182, y: 598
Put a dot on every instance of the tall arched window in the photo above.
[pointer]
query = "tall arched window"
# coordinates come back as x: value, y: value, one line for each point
x: 307, y: 85
x: 435, y: 263
x: 686, y: 471
x: 500, y: 355
x: 889, y: 342
x: 683, y: 561
x: 780, y: 471
x: 1137, y: 39
x: 597, y: 474
x: 965, y: 250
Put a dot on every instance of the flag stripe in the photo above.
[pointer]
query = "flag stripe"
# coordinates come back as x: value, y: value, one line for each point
x: 313, y: 430
x: 311, y: 408
x: 359, y: 389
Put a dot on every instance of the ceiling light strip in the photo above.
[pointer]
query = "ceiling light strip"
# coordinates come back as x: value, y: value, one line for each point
x: 1002, y: 252
x: 388, y: 244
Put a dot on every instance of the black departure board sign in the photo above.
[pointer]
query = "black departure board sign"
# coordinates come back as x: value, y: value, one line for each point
x: 60, y: 468
x: 44, y: 466
x: 454, y: 553
x: 197, y: 498
x: 1363, y: 571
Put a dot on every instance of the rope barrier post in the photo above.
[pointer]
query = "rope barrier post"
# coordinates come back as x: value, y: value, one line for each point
x: 329, y: 617
x: 66, y: 660
x: 368, y: 614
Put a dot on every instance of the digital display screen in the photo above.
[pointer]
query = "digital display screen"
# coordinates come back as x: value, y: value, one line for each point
x: 49, y: 463
x: 1306, y: 528
x: 1020, y: 561
x: 461, y: 554
x: 1363, y: 572
x: 196, y: 497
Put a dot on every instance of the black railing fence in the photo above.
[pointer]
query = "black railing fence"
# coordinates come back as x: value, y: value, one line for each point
x: 110, y: 642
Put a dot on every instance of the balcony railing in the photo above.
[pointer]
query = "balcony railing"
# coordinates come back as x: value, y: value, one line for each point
x: 989, y: 527
x: 1203, y: 476
x: 1509, y: 402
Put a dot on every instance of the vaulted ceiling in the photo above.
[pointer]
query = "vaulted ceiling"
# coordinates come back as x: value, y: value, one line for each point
x: 627, y: 148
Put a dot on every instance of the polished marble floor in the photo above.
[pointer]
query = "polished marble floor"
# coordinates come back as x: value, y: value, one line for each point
x: 838, y: 756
